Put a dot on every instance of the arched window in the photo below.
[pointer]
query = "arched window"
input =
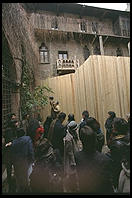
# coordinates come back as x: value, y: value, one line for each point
x: 118, y: 52
x: 86, y: 52
x: 44, y: 54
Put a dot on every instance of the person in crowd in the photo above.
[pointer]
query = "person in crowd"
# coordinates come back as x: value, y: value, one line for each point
x: 46, y: 125
x: 85, y: 115
x: 93, y: 167
x: 39, y: 132
x: 46, y: 174
x: 11, y: 116
x: 32, y: 128
x: 70, y: 118
x: 94, y: 124
x: 57, y: 132
x: 108, y: 125
x: 124, y: 178
x: 55, y: 108
x: 70, y: 148
x: 118, y: 147
x: 22, y: 153
x: 10, y: 135
x: 128, y: 122
x: 25, y: 122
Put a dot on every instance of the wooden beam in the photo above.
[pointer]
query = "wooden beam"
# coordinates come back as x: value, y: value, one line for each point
x: 94, y: 39
x: 105, y: 39
x: 101, y: 45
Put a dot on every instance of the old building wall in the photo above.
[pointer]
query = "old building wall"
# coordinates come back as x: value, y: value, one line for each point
x: 70, y: 22
x: 20, y: 36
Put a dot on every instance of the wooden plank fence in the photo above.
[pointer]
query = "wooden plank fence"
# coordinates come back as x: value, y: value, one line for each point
x: 100, y: 85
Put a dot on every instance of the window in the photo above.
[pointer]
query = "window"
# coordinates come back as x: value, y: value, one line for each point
x: 83, y: 26
x: 126, y: 27
x: 86, y: 53
x: 63, y: 55
x: 54, y: 24
x: 44, y: 54
x: 119, y: 52
x: 95, y: 27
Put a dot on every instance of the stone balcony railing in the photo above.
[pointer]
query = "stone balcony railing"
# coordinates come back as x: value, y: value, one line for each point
x: 67, y: 64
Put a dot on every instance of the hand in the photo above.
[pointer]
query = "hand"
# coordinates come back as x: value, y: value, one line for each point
x: 8, y: 144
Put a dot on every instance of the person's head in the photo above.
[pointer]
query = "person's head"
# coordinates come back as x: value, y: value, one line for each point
x: 62, y: 116
x: 85, y: 114
x: 88, y: 138
x: 13, y: 123
x: 26, y: 116
x: 57, y: 102
x: 72, y: 128
x: 120, y: 126
x: 20, y: 132
x: 71, y: 117
x: 49, y: 119
x: 112, y: 114
x: 93, y: 123
x: 11, y: 116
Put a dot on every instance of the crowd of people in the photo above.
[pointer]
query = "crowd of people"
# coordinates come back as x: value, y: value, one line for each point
x: 53, y: 157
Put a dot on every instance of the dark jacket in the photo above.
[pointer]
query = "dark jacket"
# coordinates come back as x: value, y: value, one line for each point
x: 94, y: 172
x: 45, y: 176
x: 22, y: 150
x: 108, y: 126
x: 118, y: 151
x: 58, y: 135
x: 10, y: 134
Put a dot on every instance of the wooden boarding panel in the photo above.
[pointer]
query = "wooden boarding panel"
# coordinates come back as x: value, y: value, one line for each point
x: 100, y: 85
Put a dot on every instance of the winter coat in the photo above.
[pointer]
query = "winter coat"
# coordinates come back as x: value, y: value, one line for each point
x: 70, y: 174
x: 100, y: 140
x: 108, y: 126
x: 118, y: 150
x: 94, y: 172
x: 45, y: 176
x: 124, y: 179
x: 58, y: 135
x: 22, y: 150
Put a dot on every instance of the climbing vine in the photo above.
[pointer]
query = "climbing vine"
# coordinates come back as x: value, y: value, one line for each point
x: 32, y: 99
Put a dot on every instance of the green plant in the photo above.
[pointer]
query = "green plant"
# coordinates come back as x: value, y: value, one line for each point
x: 32, y: 99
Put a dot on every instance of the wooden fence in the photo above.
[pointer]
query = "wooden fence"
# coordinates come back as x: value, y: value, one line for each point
x: 100, y: 85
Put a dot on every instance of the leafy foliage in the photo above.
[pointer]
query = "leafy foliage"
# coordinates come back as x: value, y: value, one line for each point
x: 33, y: 99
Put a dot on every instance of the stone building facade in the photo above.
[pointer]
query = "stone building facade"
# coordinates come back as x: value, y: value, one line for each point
x: 77, y: 31
x: 56, y: 39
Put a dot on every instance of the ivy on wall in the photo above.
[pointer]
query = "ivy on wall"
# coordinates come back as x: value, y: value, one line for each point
x: 32, y: 99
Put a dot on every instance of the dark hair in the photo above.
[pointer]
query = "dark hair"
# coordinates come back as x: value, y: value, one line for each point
x: 61, y: 115
x: 85, y: 114
x: 88, y: 138
x: 112, y: 114
x: 93, y: 123
x: 20, y: 132
x: 10, y: 115
x: 71, y: 117
x: 120, y: 125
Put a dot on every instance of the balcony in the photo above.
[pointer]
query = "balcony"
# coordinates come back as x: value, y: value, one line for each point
x: 66, y: 65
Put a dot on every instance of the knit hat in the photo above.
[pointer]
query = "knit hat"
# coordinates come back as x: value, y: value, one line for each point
x: 72, y: 126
